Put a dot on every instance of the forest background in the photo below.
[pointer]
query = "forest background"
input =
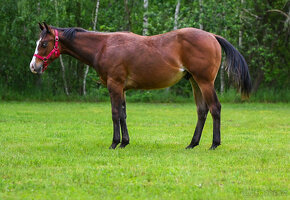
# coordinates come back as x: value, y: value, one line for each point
x: 258, y: 29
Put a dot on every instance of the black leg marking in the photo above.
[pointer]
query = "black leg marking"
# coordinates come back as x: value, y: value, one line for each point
x: 202, y: 110
x: 124, y: 130
x: 202, y: 114
x: 216, y: 116
x: 116, y: 103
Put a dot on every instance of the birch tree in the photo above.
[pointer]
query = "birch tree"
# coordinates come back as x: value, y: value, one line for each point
x: 222, y: 72
x: 175, y: 27
x: 222, y: 77
x: 200, y: 15
x: 222, y: 68
x: 60, y: 57
x: 145, y: 18
x: 240, y: 31
x: 39, y: 78
x: 176, y: 15
x: 94, y: 29
x: 127, y: 16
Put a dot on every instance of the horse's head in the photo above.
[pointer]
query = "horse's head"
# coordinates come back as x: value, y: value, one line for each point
x: 46, y: 50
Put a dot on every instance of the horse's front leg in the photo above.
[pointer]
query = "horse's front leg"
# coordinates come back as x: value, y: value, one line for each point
x: 116, y: 95
x: 125, y: 134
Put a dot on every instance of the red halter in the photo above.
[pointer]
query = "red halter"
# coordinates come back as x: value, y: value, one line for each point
x: 54, y: 51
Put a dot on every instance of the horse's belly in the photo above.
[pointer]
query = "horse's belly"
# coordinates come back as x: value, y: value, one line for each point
x: 154, y: 78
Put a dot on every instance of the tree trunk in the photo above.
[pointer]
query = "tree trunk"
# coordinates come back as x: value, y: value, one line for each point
x: 176, y: 15
x: 258, y: 81
x: 222, y: 78
x: 145, y: 18
x: 80, y: 66
x: 127, y: 16
x: 240, y: 31
x: 63, y: 75
x: 87, y: 67
x: 175, y: 26
x: 200, y: 15
x: 60, y: 57
x: 222, y: 69
x: 39, y: 76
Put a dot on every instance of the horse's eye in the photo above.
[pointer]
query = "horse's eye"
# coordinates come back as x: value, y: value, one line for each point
x: 44, y: 45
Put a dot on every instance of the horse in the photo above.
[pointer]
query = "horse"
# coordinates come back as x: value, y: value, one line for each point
x: 124, y: 60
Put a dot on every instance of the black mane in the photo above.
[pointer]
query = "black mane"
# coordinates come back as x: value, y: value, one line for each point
x: 68, y: 33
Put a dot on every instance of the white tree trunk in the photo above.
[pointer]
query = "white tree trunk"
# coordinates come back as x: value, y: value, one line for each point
x: 240, y: 38
x: 87, y: 67
x: 60, y: 57
x: 200, y: 15
x: 145, y: 18
x: 175, y: 26
x: 222, y: 77
x: 222, y: 71
x: 176, y: 15
x: 85, y: 80
x: 240, y: 31
x: 96, y: 15
x: 63, y: 75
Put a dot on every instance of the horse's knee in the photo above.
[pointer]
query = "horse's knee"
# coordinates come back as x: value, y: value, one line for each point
x: 202, y: 113
x: 215, y: 111
x: 115, y: 114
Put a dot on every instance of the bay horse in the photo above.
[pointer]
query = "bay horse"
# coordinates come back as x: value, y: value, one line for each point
x: 125, y: 60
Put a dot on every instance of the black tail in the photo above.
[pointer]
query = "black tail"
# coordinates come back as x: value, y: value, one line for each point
x: 236, y: 66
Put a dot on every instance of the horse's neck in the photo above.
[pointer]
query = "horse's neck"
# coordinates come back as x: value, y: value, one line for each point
x: 84, y: 47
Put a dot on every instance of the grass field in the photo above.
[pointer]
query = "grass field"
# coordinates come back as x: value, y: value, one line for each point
x: 60, y: 151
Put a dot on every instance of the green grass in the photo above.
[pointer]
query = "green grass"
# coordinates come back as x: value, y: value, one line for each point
x: 263, y: 95
x: 60, y: 151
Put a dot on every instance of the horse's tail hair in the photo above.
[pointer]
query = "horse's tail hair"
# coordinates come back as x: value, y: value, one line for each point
x: 236, y: 66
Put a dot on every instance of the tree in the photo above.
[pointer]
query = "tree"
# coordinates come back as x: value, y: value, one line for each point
x: 200, y: 14
x: 94, y: 29
x: 241, y: 31
x: 259, y: 29
x: 176, y: 15
x: 145, y: 18
x: 60, y: 57
x: 127, y: 16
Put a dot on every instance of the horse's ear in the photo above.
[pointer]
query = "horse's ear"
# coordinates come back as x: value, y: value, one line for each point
x: 41, y: 26
x: 48, y: 30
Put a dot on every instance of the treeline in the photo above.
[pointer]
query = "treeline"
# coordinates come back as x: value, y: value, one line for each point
x: 259, y: 29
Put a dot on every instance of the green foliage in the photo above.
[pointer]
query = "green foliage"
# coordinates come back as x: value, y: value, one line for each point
x: 60, y: 151
x: 265, y: 39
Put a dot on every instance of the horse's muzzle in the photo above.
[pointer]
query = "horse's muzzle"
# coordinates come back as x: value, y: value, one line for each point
x: 36, y: 70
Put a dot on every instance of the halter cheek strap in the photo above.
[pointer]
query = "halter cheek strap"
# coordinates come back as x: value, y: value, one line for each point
x: 54, y: 51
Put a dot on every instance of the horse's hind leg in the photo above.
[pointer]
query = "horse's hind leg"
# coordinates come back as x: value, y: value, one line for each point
x: 214, y: 105
x: 202, y: 110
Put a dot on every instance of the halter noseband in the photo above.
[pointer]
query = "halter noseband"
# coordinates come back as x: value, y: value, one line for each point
x: 54, y: 51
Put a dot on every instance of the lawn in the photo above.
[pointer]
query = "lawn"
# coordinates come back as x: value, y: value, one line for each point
x: 61, y: 151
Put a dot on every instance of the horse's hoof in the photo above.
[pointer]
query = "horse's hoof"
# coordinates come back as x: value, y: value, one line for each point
x: 123, y: 145
x: 191, y: 146
x: 214, y: 146
x: 114, y: 145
